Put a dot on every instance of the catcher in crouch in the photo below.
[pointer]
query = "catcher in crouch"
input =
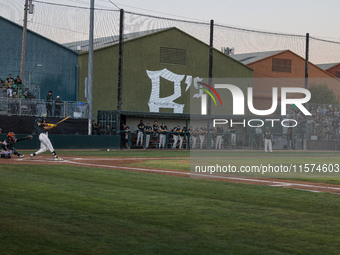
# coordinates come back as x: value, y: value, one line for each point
x: 42, y: 128
x: 8, y: 145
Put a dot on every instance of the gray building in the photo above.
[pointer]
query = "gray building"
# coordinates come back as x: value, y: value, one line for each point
x: 59, y: 64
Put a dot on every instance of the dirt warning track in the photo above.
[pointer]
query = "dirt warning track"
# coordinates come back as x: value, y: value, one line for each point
x: 124, y: 164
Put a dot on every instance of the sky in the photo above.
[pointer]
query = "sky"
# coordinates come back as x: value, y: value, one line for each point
x: 316, y: 17
x: 319, y: 18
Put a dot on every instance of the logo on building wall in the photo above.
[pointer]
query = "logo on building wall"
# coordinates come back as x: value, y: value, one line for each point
x: 156, y: 102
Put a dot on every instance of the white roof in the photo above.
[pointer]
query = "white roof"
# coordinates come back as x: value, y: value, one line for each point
x: 102, y: 42
x: 247, y: 58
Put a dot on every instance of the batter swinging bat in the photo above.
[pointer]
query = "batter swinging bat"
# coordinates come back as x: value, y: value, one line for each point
x: 64, y: 119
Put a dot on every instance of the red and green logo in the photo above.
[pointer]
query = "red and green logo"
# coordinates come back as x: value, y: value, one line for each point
x: 213, y: 90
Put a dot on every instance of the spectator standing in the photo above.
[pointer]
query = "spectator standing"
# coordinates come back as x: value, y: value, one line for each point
x: 49, y: 102
x: 57, y: 107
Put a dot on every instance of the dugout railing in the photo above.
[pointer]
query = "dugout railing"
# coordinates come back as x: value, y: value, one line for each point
x: 243, y: 141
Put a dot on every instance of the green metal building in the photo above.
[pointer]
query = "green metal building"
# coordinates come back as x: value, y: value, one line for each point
x: 159, y: 71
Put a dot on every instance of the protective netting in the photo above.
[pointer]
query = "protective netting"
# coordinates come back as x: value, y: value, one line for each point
x: 67, y: 23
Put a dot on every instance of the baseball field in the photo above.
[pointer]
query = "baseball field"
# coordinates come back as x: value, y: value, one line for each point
x: 146, y: 202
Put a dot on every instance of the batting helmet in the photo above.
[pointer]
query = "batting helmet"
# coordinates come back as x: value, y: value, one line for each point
x: 11, y: 135
x: 38, y: 120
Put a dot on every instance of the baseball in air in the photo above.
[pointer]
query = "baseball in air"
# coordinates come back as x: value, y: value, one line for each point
x: 108, y: 149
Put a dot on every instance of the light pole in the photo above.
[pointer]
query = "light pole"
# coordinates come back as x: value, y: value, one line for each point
x: 29, y: 75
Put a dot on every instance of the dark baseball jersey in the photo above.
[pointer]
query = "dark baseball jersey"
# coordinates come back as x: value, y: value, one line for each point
x: 163, y: 129
x: 148, y: 129
x: 177, y: 129
x: 39, y: 129
x: 268, y: 135
x: 203, y: 131
x: 232, y: 130
x: 49, y: 98
x: 213, y: 132
x: 219, y: 130
x: 183, y: 132
x: 58, y: 103
x: 141, y: 127
x: 155, y: 128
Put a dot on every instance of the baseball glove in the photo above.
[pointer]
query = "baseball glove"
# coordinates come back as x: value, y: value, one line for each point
x: 29, y: 137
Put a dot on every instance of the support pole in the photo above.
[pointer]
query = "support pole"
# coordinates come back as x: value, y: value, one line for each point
x: 210, y: 75
x: 120, y: 69
x: 23, y: 45
x: 306, y: 63
x: 306, y: 78
x: 90, y: 69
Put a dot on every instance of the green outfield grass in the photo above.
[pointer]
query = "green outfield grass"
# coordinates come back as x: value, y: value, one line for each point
x: 80, y: 210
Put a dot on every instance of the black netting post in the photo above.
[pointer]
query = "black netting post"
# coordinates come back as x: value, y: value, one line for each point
x: 120, y: 72
x: 307, y: 57
x: 210, y: 76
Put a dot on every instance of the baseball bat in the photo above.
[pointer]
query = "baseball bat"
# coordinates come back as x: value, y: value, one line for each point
x: 64, y: 119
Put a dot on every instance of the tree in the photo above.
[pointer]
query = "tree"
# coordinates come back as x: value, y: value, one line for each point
x: 321, y: 94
